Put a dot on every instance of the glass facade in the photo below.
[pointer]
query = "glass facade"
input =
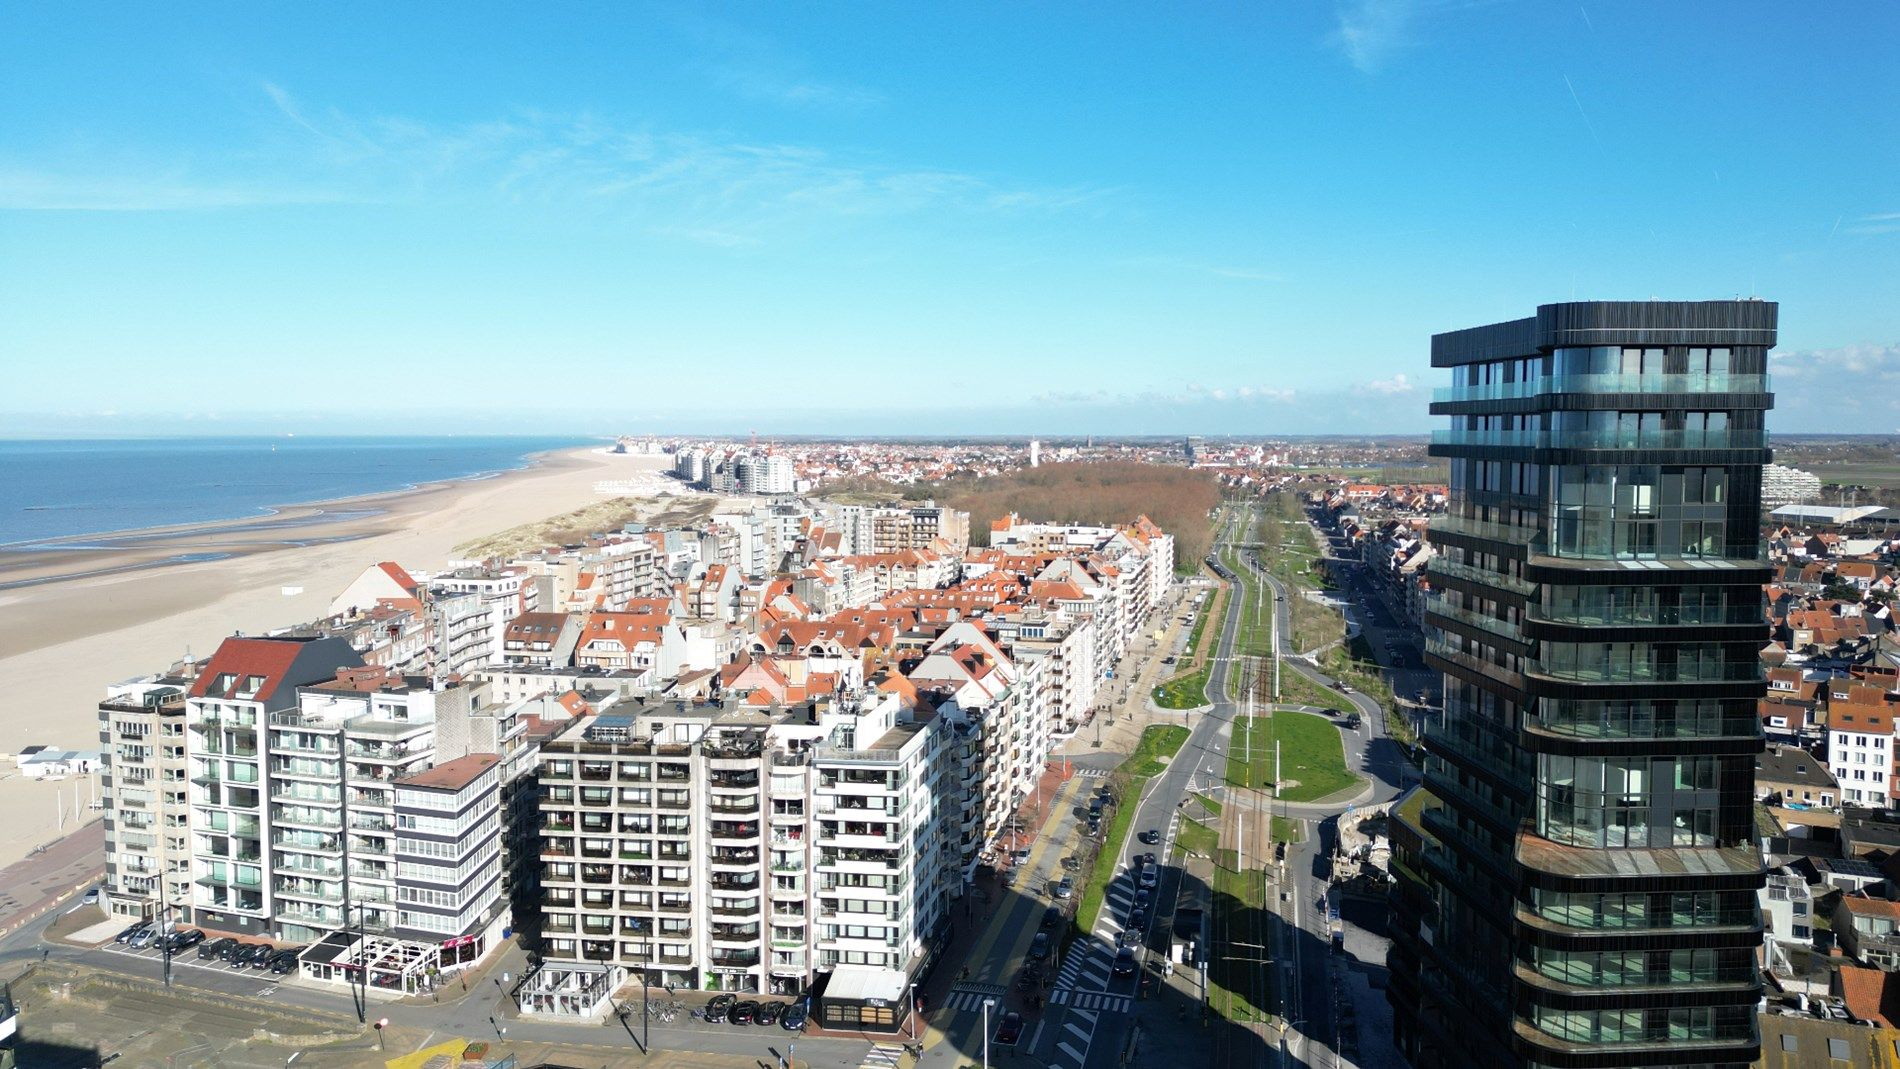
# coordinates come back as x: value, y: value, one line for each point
x: 1596, y: 611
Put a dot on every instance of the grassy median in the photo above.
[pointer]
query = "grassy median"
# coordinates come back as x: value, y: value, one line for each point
x: 1312, y: 757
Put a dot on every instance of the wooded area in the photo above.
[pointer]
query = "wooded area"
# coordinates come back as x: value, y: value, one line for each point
x: 1178, y: 499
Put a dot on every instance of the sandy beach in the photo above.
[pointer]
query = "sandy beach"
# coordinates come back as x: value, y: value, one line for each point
x: 114, y: 615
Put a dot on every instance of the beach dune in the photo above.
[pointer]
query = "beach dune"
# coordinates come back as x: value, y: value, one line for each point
x: 63, y: 641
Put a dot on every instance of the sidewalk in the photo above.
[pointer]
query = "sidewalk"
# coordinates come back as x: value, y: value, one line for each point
x: 1129, y: 702
x: 40, y: 881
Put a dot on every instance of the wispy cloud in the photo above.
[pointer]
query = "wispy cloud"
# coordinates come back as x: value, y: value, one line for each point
x: 698, y: 187
x: 1371, y: 32
x: 1852, y: 389
x: 1878, y: 223
x: 1397, y: 384
x: 759, y: 69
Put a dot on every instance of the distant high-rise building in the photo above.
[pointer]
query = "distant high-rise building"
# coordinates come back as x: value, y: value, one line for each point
x: 1575, y: 880
x: 1035, y: 453
x: 1194, y: 448
x: 1788, y: 486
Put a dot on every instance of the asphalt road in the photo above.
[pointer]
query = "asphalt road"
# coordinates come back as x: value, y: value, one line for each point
x: 1303, y: 938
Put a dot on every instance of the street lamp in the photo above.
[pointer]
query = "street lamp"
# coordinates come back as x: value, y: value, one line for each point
x: 913, y: 1013
x: 987, y: 1003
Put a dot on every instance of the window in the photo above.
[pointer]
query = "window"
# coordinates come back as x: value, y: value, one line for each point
x: 1788, y: 1043
x: 1839, y: 1050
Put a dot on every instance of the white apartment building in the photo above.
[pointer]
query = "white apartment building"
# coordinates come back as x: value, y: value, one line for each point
x: 146, y: 785
x: 228, y: 727
x: 1860, y: 753
x: 735, y: 848
x: 503, y: 594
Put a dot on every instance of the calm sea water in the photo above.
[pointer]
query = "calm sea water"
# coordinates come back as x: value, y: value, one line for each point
x: 55, y: 489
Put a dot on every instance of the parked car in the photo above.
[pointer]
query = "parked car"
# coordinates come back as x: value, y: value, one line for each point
x: 284, y: 961
x: 742, y: 1012
x: 1149, y: 836
x: 768, y: 1013
x: 143, y: 937
x: 1039, y: 946
x: 1065, y: 887
x: 1011, y: 1029
x: 1138, y: 919
x: 794, y: 1018
x: 258, y: 957
x: 1125, y: 962
x: 214, y: 948
x: 1143, y: 897
x: 1146, y: 861
x: 190, y: 937
x: 719, y: 1007
x: 1052, y: 917
x: 1148, y: 878
x: 232, y: 952
x: 131, y: 930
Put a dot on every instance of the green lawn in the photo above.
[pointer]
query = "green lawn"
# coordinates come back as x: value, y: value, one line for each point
x: 1156, y: 743
x: 1312, y: 758
x: 1240, y: 983
x: 1194, y: 837
x: 1189, y: 689
x: 1118, y: 825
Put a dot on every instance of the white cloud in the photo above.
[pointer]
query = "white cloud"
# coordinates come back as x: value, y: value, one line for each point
x: 1847, y: 368
x: 1878, y: 223
x: 697, y: 187
x: 1370, y: 32
x: 1397, y: 384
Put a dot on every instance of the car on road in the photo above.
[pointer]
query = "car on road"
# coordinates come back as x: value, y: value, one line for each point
x: 1039, y: 946
x: 769, y: 1013
x: 1138, y: 919
x: 1021, y: 856
x: 1125, y: 962
x: 1146, y: 860
x: 719, y: 1007
x: 794, y: 1018
x: 1065, y: 887
x: 130, y: 931
x: 1052, y: 917
x: 1149, y: 836
x: 742, y: 1012
x: 1149, y: 877
x: 214, y: 948
x: 1011, y: 1028
x: 91, y: 897
x: 1340, y: 686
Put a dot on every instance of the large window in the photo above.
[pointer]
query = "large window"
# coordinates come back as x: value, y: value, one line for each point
x: 1637, y: 511
x: 1627, y: 801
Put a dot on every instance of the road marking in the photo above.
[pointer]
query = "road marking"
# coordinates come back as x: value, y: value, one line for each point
x: 1080, y: 1032
x: 1078, y: 1055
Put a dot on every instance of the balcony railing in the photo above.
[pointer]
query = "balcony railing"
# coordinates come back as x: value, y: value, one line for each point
x: 1730, y: 438
x: 1608, y: 383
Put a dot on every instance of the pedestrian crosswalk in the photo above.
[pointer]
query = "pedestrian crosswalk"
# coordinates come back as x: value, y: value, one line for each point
x: 883, y: 1056
x: 965, y: 997
x: 1092, y: 773
x: 1104, y: 1001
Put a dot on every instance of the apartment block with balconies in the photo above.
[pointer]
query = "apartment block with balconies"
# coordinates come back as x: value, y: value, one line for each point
x: 704, y: 843
x: 1583, y: 891
x: 147, y: 795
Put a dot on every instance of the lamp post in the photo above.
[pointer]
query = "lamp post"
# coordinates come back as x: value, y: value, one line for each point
x: 987, y: 1003
x: 913, y: 1013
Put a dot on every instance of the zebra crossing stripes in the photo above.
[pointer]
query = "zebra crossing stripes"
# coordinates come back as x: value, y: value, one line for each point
x: 1100, y: 1001
x: 970, y: 997
x: 882, y: 1056
x: 1092, y: 773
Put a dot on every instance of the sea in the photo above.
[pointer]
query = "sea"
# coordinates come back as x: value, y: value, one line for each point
x: 60, y: 488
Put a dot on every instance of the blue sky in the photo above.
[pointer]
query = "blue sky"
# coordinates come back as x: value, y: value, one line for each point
x: 1049, y: 218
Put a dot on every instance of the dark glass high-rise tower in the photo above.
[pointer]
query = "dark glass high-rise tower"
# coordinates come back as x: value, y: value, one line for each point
x: 1575, y: 881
